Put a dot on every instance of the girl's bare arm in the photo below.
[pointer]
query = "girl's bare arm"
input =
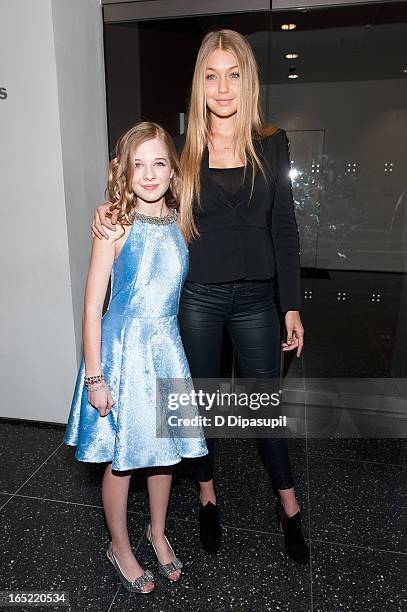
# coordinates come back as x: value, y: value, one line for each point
x: 100, y: 266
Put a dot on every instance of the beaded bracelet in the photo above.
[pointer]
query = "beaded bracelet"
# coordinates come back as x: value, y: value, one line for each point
x: 96, y: 387
x: 91, y: 380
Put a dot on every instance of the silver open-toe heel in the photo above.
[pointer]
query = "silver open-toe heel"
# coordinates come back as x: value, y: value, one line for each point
x: 135, y: 586
x: 166, y: 569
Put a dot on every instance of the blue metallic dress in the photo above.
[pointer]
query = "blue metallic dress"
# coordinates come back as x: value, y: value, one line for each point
x: 140, y: 344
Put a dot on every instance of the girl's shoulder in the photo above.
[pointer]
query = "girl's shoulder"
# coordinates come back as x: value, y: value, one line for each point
x: 114, y: 241
x: 119, y: 234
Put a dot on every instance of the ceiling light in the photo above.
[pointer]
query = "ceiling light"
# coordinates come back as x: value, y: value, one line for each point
x: 288, y: 26
x: 291, y: 55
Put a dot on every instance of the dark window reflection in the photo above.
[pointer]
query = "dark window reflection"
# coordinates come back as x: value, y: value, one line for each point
x: 341, y: 96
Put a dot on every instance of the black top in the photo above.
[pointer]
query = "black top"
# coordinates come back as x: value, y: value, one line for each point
x: 230, y: 180
x: 253, y: 238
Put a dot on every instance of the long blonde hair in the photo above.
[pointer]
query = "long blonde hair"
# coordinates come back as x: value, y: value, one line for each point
x: 121, y: 169
x: 249, y: 121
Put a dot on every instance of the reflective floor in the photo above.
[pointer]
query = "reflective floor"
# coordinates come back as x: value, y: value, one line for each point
x: 352, y: 493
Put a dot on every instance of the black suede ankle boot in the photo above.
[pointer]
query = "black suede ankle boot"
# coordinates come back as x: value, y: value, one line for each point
x: 295, y: 545
x: 210, y: 531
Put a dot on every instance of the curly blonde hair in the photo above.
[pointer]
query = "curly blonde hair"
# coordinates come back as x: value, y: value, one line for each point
x: 121, y: 170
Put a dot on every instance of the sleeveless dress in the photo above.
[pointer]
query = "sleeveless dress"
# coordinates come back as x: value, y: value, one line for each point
x: 140, y: 345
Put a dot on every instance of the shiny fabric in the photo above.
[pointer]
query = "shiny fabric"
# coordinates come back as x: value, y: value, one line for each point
x: 140, y: 343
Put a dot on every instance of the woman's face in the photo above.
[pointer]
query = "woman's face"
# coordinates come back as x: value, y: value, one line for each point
x: 152, y: 170
x: 222, y: 83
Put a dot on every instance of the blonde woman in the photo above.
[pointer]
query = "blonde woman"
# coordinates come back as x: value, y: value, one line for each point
x: 237, y: 213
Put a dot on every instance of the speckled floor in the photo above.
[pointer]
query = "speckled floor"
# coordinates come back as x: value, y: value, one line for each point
x: 352, y: 494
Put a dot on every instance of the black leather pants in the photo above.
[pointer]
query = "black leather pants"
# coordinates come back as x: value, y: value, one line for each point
x: 248, y: 310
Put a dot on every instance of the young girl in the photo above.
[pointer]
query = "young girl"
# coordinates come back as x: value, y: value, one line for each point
x: 113, y: 415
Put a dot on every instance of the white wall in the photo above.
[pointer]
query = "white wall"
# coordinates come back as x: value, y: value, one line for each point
x: 53, y: 159
x: 78, y: 39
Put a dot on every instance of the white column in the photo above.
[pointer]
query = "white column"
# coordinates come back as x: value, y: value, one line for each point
x: 53, y: 163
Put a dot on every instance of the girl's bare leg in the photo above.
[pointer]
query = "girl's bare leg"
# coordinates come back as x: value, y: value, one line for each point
x: 115, y: 489
x: 159, y: 488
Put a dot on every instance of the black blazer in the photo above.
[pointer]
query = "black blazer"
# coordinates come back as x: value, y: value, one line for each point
x: 256, y: 239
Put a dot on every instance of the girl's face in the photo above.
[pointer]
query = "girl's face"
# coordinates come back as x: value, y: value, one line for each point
x: 222, y: 83
x: 152, y: 171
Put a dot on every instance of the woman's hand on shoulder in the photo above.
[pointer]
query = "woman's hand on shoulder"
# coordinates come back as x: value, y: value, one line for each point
x: 104, y: 217
x: 295, y: 332
x: 101, y: 400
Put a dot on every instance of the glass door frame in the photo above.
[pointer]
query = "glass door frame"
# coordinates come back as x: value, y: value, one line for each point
x: 115, y: 11
x: 143, y: 10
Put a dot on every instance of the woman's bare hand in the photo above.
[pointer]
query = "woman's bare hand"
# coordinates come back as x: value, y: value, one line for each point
x: 295, y: 332
x: 101, y: 400
x: 104, y: 217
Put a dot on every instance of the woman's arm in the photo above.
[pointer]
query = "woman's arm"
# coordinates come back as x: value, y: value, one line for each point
x: 284, y: 232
